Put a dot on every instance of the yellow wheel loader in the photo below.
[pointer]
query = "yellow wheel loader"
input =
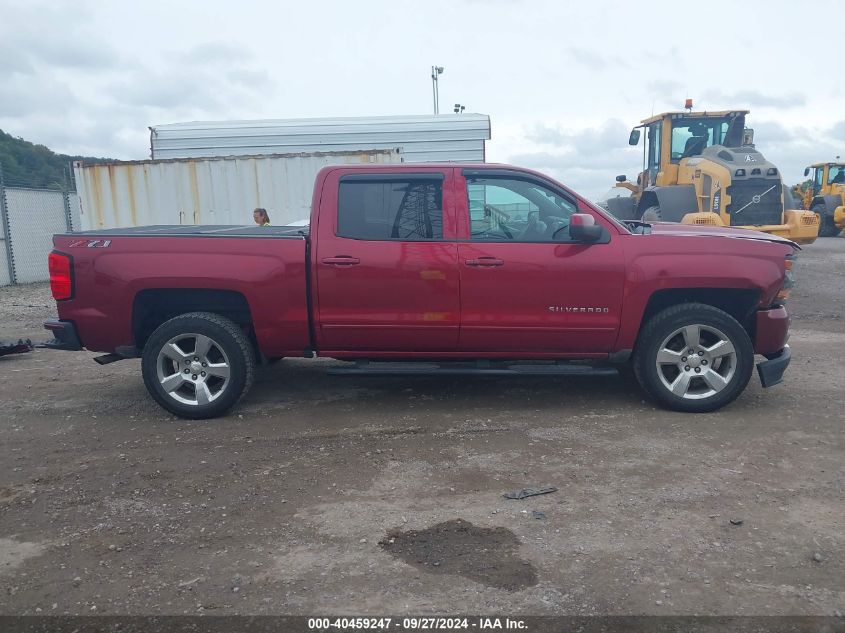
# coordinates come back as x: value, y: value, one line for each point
x: 826, y: 198
x: 703, y: 168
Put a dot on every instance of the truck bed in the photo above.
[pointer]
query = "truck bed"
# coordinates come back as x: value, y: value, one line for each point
x: 123, y: 274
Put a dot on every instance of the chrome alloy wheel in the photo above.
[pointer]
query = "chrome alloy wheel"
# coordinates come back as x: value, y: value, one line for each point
x: 696, y: 362
x: 193, y: 369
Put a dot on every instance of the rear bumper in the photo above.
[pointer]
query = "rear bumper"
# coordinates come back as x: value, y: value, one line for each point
x: 64, y: 336
x: 771, y: 370
x: 802, y: 227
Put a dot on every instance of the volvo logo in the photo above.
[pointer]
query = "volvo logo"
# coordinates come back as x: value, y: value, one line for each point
x: 755, y: 199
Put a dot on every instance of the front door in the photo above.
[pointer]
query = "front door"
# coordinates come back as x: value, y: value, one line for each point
x: 386, y: 262
x: 525, y: 285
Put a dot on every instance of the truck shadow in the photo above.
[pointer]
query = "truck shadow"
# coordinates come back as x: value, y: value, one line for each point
x: 293, y: 382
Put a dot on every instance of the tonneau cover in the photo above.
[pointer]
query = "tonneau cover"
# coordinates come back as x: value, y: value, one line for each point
x: 221, y: 230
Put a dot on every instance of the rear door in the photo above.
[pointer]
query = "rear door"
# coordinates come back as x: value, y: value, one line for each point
x: 386, y: 262
x: 526, y: 287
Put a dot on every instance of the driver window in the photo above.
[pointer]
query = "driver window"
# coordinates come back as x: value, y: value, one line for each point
x: 503, y: 209
x: 653, y: 152
x: 817, y: 180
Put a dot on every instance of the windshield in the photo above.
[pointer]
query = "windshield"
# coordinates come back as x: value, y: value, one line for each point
x: 836, y: 175
x: 691, y: 135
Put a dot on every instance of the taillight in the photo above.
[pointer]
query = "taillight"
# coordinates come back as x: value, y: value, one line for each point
x: 61, y: 276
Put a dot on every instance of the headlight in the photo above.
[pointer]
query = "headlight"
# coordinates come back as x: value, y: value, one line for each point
x: 788, y: 279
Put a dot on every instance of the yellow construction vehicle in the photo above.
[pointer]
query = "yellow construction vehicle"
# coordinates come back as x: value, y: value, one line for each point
x: 826, y: 198
x: 703, y: 168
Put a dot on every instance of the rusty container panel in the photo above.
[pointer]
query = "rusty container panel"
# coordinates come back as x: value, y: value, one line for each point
x: 207, y: 190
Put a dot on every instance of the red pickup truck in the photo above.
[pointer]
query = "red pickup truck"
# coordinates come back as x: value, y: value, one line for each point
x: 422, y: 268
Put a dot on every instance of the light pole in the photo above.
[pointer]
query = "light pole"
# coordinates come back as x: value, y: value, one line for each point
x: 436, y: 71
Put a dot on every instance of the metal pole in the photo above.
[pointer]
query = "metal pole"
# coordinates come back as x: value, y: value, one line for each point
x: 7, y: 236
x: 434, y: 88
x: 67, y: 192
x: 68, y: 218
x: 436, y: 71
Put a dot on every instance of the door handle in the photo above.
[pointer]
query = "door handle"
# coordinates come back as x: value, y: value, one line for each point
x: 341, y: 260
x: 485, y: 261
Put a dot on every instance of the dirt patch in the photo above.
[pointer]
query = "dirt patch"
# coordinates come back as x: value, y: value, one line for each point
x: 486, y: 555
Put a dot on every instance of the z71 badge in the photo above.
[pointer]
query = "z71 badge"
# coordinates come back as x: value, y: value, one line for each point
x: 90, y: 244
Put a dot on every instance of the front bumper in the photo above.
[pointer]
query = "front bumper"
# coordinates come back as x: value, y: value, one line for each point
x: 771, y: 370
x: 771, y: 331
x: 64, y: 336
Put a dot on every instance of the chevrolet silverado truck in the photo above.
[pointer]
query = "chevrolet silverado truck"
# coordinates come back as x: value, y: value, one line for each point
x: 423, y: 269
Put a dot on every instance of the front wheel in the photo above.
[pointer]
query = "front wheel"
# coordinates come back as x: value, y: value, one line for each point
x: 198, y: 365
x: 693, y: 358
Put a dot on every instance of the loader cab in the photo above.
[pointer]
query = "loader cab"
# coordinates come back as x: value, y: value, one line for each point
x: 826, y: 177
x: 672, y: 136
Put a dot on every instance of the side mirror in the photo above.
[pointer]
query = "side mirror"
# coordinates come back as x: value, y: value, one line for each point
x: 748, y: 137
x: 806, y: 172
x: 621, y: 178
x: 634, y: 138
x: 583, y: 228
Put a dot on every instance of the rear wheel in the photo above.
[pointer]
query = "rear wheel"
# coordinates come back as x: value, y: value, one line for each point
x: 694, y: 358
x: 826, y: 227
x: 198, y: 365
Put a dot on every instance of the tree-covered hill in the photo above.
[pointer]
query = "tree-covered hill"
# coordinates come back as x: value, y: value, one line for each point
x: 26, y: 164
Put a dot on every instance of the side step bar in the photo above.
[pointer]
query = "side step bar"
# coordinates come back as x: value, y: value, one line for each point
x: 386, y: 368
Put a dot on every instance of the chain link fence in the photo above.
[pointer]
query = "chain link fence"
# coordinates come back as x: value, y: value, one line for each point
x: 28, y: 220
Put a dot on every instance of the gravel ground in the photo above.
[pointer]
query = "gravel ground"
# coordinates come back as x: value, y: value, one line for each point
x: 355, y: 495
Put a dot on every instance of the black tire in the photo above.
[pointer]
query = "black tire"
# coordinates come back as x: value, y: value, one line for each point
x: 826, y: 227
x: 652, y: 214
x: 232, y: 349
x: 654, y: 338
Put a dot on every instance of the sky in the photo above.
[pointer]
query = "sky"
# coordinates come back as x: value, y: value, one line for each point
x: 563, y: 82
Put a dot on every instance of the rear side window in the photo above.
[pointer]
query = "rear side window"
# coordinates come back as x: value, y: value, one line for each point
x: 410, y: 210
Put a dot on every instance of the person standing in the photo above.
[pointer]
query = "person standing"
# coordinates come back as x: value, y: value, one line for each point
x: 260, y: 216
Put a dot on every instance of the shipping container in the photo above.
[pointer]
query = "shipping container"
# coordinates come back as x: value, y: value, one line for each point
x: 431, y: 138
x: 207, y: 190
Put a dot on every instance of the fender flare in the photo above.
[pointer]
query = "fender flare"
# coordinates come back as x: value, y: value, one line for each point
x: 675, y: 201
x: 830, y: 203
x: 623, y: 208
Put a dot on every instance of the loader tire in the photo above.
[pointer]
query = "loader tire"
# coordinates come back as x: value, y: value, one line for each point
x: 826, y: 226
x: 652, y: 214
